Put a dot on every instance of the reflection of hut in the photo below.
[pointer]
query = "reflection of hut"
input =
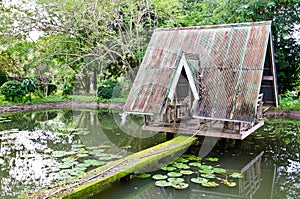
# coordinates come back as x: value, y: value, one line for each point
x: 210, y: 77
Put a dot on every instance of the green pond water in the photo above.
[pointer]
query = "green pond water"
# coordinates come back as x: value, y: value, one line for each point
x: 42, y: 148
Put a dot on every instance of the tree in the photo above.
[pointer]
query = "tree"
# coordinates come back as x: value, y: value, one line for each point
x: 13, y: 89
x: 30, y: 85
x: 283, y: 14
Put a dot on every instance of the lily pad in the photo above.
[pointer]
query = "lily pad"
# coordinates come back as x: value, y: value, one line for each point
x: 163, y: 183
x: 206, y: 171
x: 210, y: 184
x: 219, y: 170
x: 191, y: 157
x: 168, y: 168
x: 210, y: 176
x: 174, y: 174
x: 182, y: 160
x: 199, y: 180
x: 212, y: 159
x: 142, y: 175
x: 203, y: 167
x: 236, y: 175
x: 181, y: 166
x: 195, y: 164
x: 186, y: 172
x: 97, y: 152
x: 175, y: 180
x: 106, y: 158
x: 82, y: 155
x: 229, y: 183
x: 159, y: 177
x: 181, y: 185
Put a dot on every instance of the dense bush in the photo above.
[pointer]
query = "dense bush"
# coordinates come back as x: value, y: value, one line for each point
x: 50, y: 90
x: 3, y: 77
x: 13, y: 89
x: 109, y: 88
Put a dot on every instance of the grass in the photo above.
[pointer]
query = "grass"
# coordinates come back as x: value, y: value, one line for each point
x: 60, y: 98
x: 289, y: 103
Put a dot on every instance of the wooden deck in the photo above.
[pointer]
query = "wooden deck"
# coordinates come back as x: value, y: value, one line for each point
x: 103, y: 177
x: 211, y: 129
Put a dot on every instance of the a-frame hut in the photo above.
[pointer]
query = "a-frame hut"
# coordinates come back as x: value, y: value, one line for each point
x: 208, y: 80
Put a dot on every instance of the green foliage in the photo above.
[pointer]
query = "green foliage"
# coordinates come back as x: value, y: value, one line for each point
x: 68, y: 89
x: 3, y: 77
x: 13, y: 89
x: 109, y: 88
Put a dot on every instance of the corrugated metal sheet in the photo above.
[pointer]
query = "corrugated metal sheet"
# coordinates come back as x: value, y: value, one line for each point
x: 231, y: 60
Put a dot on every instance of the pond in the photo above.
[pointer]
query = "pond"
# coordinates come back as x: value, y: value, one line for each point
x: 269, y: 160
x: 41, y: 148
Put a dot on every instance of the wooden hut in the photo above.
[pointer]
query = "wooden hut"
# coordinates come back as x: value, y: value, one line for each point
x: 206, y: 80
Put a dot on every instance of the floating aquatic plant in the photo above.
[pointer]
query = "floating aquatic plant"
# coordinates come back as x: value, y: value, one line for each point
x: 159, y: 177
x: 206, y: 171
x: 229, y: 183
x: 219, y: 170
x: 206, y: 167
x: 163, y: 183
x: 182, y: 160
x: 174, y: 174
x: 236, y: 175
x: 186, y: 172
x: 195, y: 164
x: 168, y: 168
x: 181, y: 185
x: 191, y: 157
x: 175, y: 180
x: 199, y: 180
x: 210, y: 184
x: 181, y: 165
x: 143, y: 175
x: 212, y: 159
x: 210, y: 176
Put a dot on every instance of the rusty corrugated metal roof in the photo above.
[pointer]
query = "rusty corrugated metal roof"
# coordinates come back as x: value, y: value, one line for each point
x: 231, y: 61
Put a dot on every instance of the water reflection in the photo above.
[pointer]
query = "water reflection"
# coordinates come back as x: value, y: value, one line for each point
x: 273, y: 174
x: 38, y: 149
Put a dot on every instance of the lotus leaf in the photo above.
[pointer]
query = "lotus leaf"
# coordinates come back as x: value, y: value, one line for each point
x: 229, y: 183
x: 175, y: 180
x: 206, y: 171
x: 97, y: 152
x: 236, y: 175
x: 104, y: 146
x: 182, y: 160
x: 195, y: 164
x: 174, y: 174
x: 142, y: 175
x: 219, y: 170
x: 168, y: 168
x: 199, y: 180
x: 208, y: 176
x: 163, y: 183
x: 181, y: 166
x: 186, y: 172
x: 67, y: 165
x: 210, y: 184
x: 181, y: 185
x: 205, y: 167
x: 212, y: 159
x: 159, y: 177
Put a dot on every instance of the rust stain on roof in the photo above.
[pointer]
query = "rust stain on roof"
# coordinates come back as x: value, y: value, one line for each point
x: 230, y: 61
